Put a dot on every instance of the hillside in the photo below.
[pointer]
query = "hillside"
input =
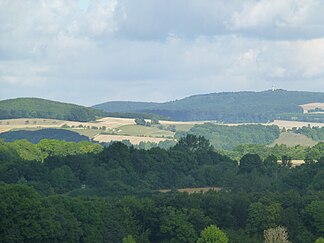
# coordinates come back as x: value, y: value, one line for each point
x: 125, y: 106
x: 228, y: 137
x: 36, y: 136
x: 41, y: 108
x: 230, y: 106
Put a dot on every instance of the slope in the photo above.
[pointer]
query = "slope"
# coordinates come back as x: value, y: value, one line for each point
x: 231, y: 107
x: 41, y: 108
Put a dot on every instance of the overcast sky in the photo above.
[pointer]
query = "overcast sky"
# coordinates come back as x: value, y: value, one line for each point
x: 88, y: 52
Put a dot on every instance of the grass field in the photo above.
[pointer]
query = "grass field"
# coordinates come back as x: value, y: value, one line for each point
x: 136, y: 130
x: 292, y: 139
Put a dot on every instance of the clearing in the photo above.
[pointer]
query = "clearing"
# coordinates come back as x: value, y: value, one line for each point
x: 293, y: 139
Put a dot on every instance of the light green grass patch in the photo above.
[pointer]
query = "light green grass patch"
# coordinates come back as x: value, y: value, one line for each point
x: 184, y: 127
x: 136, y: 130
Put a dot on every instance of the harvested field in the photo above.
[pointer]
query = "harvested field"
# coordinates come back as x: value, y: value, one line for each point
x: 194, y: 190
x: 113, y: 122
x: 26, y: 123
x: 312, y: 106
x: 108, y: 122
x: 133, y: 139
x: 291, y: 124
x: 4, y: 129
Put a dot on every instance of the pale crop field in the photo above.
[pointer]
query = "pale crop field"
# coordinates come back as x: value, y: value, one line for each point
x: 293, y: 139
x: 312, y: 106
x: 291, y: 124
x: 4, y: 129
x: 133, y: 139
x: 26, y: 123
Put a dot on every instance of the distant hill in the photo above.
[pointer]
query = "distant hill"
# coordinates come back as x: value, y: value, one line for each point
x: 36, y: 136
x: 125, y: 106
x: 41, y: 108
x: 230, y: 107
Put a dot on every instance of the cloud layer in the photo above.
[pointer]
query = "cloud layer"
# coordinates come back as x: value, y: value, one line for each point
x: 93, y: 51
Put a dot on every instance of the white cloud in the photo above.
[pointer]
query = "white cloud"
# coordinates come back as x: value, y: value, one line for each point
x: 158, y: 50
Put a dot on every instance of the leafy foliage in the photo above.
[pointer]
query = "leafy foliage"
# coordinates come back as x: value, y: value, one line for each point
x: 212, y: 234
x: 61, y: 199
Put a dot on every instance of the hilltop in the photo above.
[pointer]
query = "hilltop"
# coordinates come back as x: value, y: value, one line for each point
x: 42, y: 108
x: 245, y: 106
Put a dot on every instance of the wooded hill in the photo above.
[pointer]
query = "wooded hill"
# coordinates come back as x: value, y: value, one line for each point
x: 229, y: 106
x: 41, y: 108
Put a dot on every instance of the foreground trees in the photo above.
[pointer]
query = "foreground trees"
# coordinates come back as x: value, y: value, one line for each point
x: 87, y: 197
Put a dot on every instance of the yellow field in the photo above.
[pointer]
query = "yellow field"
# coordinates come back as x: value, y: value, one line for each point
x: 133, y: 139
x: 2, y: 129
x: 26, y: 123
x: 312, y: 106
x: 291, y: 124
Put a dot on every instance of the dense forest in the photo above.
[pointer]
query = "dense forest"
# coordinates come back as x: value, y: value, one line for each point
x: 37, y: 135
x: 229, y: 106
x: 111, y: 194
x: 228, y: 137
x: 40, y: 108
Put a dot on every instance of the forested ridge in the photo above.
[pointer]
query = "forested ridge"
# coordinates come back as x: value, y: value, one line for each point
x: 111, y: 194
x: 229, y: 106
x: 41, y: 108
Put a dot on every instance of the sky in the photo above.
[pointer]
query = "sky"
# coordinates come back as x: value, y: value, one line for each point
x: 93, y: 51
